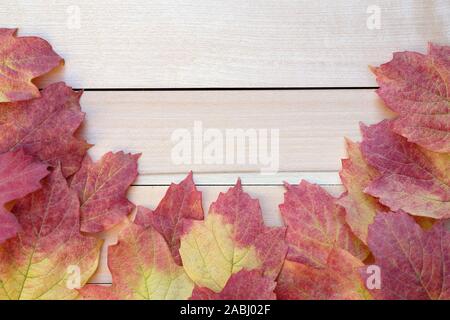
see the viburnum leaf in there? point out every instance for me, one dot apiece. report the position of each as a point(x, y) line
point(232, 237)
point(414, 264)
point(21, 60)
point(142, 268)
point(416, 86)
point(44, 127)
point(181, 204)
point(243, 285)
point(20, 175)
point(38, 263)
point(316, 225)
point(339, 279)
point(360, 207)
point(412, 178)
point(102, 188)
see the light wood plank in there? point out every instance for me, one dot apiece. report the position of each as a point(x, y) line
point(312, 125)
point(269, 196)
point(233, 43)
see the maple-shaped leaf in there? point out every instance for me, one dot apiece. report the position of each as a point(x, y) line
point(243, 285)
point(142, 268)
point(21, 60)
point(416, 86)
point(339, 279)
point(412, 178)
point(232, 237)
point(20, 175)
point(414, 264)
point(316, 225)
point(44, 127)
point(49, 253)
point(356, 175)
point(181, 204)
point(102, 188)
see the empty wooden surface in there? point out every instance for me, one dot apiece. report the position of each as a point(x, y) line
point(109, 44)
point(232, 43)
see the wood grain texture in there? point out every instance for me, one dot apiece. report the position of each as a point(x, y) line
point(269, 197)
point(312, 125)
point(234, 43)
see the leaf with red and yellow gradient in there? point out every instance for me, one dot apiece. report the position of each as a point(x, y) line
point(416, 86)
point(49, 253)
point(411, 178)
point(102, 189)
point(231, 238)
point(243, 285)
point(44, 127)
point(181, 204)
point(21, 60)
point(414, 264)
point(20, 175)
point(339, 279)
point(360, 207)
point(142, 268)
point(316, 225)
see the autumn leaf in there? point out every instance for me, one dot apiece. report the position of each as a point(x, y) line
point(411, 178)
point(338, 279)
point(20, 175)
point(102, 188)
point(38, 263)
point(360, 207)
point(21, 60)
point(416, 86)
point(243, 285)
point(316, 225)
point(44, 127)
point(181, 204)
point(414, 264)
point(232, 237)
point(142, 268)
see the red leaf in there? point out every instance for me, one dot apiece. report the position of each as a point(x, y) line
point(21, 60)
point(360, 207)
point(181, 204)
point(416, 86)
point(244, 285)
point(37, 263)
point(19, 175)
point(338, 280)
point(44, 127)
point(415, 264)
point(316, 225)
point(412, 179)
point(142, 268)
point(102, 188)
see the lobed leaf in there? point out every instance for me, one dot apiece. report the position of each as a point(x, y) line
point(21, 60)
point(102, 188)
point(414, 263)
point(49, 252)
point(181, 204)
point(416, 86)
point(232, 237)
point(339, 279)
point(356, 175)
point(316, 225)
point(142, 268)
point(411, 178)
point(44, 127)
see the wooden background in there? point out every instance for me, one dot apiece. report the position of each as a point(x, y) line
point(150, 67)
